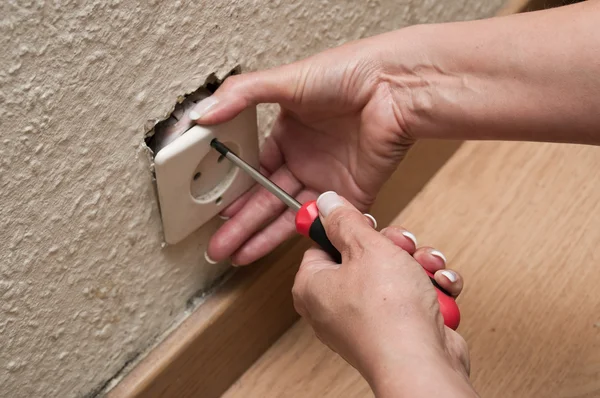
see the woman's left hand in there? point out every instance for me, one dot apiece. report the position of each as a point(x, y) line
point(379, 310)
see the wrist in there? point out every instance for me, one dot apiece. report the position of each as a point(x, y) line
point(430, 75)
point(416, 362)
point(422, 376)
point(497, 79)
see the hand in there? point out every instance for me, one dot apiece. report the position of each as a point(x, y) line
point(379, 310)
point(349, 114)
point(338, 129)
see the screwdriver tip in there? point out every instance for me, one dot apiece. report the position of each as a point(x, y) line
point(219, 146)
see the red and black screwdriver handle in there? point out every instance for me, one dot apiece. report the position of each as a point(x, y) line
point(309, 224)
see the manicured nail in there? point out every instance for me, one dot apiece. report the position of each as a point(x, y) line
point(328, 201)
point(410, 236)
point(202, 107)
point(223, 217)
point(439, 254)
point(451, 275)
point(373, 220)
point(208, 259)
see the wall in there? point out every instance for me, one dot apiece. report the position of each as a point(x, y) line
point(85, 284)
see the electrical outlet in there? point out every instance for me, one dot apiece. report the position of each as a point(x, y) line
point(194, 182)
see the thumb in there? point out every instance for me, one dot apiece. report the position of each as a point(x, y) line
point(346, 227)
point(238, 92)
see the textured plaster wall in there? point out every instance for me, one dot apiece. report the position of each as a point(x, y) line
point(84, 282)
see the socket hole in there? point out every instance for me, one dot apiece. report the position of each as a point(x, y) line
point(211, 178)
point(220, 159)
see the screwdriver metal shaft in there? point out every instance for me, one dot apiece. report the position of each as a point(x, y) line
point(256, 175)
point(309, 224)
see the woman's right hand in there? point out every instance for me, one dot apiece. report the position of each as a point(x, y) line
point(378, 309)
point(339, 129)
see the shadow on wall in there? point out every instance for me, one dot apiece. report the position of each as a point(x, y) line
point(535, 5)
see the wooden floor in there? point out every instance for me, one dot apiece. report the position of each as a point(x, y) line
point(521, 222)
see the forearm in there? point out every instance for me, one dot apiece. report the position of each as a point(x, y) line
point(531, 77)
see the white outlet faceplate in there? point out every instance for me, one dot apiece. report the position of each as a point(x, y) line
point(194, 182)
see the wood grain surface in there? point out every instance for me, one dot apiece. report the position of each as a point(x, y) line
point(521, 222)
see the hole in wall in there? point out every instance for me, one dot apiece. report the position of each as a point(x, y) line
point(161, 133)
point(178, 122)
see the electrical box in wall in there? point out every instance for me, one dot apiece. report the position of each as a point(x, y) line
point(194, 182)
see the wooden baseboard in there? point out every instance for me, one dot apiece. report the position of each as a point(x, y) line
point(226, 334)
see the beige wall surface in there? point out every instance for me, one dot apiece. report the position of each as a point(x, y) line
point(85, 284)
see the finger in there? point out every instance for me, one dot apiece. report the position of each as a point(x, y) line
point(371, 219)
point(277, 85)
point(316, 255)
point(434, 261)
point(271, 157)
point(260, 208)
point(237, 204)
point(240, 202)
point(347, 228)
point(430, 259)
point(272, 235)
point(450, 281)
point(401, 238)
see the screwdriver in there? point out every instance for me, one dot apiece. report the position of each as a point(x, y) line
point(309, 224)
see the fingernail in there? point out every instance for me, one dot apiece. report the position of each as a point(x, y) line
point(439, 254)
point(410, 236)
point(208, 259)
point(223, 217)
point(373, 220)
point(451, 275)
point(202, 107)
point(234, 264)
point(327, 202)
